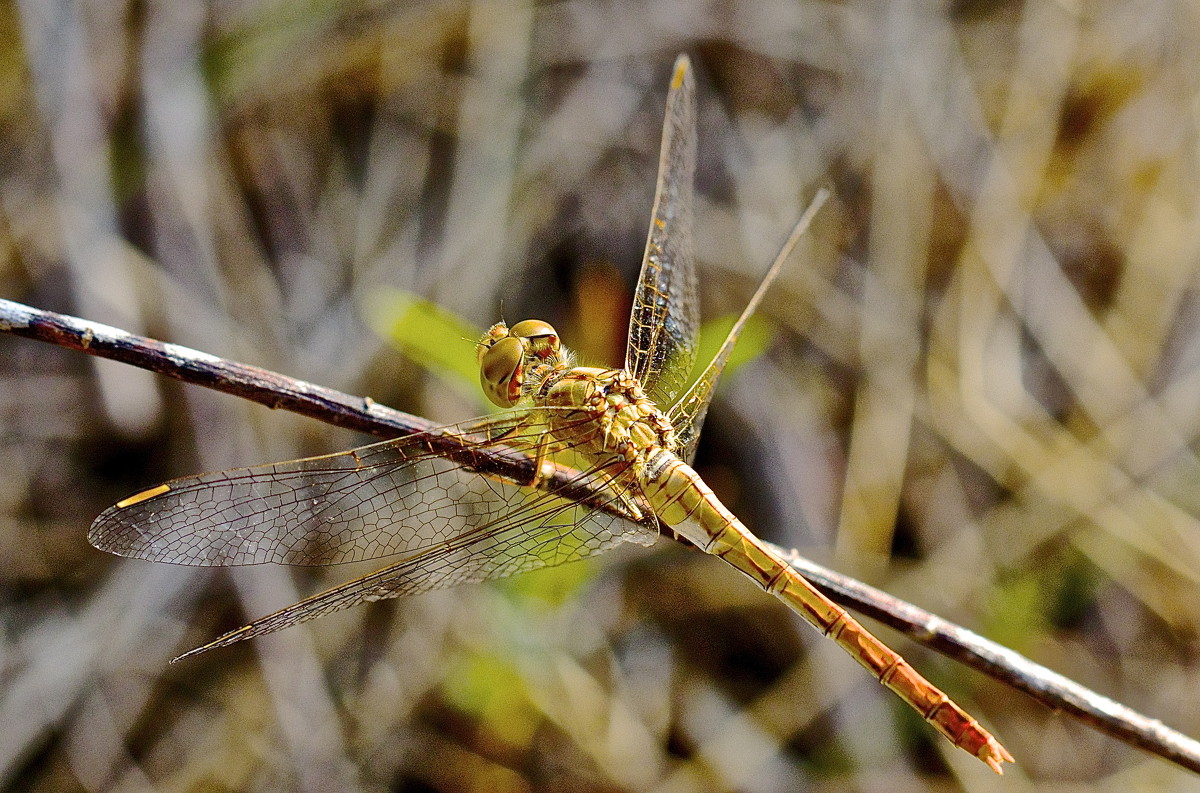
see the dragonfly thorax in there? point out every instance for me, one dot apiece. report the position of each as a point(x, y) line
point(631, 426)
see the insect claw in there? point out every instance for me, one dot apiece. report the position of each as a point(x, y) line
point(543, 470)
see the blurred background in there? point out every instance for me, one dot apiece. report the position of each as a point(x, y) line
point(976, 385)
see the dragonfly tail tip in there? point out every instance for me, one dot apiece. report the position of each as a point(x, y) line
point(994, 754)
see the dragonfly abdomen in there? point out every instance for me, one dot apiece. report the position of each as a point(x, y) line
point(684, 502)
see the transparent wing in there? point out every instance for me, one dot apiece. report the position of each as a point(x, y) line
point(534, 531)
point(687, 415)
point(664, 322)
point(417, 495)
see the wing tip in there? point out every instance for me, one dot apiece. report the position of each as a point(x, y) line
point(683, 65)
point(244, 632)
point(99, 532)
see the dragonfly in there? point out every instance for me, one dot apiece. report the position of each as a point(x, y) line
point(439, 504)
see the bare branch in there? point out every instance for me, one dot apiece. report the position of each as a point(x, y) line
point(362, 414)
point(1011, 668)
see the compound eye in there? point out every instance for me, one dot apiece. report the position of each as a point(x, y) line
point(500, 371)
point(532, 328)
point(542, 337)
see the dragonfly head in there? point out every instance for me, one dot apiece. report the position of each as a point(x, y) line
point(506, 354)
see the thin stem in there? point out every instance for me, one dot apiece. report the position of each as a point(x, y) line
point(362, 414)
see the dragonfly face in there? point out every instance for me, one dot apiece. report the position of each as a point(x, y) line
point(507, 357)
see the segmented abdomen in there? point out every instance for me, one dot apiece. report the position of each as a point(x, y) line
point(684, 502)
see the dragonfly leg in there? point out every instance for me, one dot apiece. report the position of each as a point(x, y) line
point(543, 466)
point(613, 489)
point(627, 501)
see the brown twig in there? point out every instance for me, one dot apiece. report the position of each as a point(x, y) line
point(362, 414)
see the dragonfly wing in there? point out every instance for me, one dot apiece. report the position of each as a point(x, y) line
point(404, 496)
point(687, 415)
point(664, 322)
point(527, 532)
point(688, 420)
